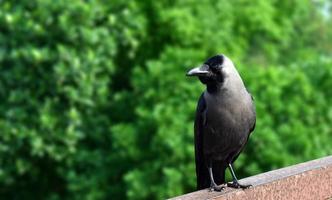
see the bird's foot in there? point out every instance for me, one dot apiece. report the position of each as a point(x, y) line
point(215, 187)
point(236, 184)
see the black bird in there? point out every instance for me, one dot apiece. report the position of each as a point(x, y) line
point(225, 117)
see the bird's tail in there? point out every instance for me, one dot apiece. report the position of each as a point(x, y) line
point(219, 169)
point(203, 177)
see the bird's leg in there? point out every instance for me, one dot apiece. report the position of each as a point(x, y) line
point(235, 183)
point(213, 185)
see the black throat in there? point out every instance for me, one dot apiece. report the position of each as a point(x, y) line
point(213, 87)
point(214, 84)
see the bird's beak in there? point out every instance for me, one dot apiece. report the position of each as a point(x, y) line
point(199, 71)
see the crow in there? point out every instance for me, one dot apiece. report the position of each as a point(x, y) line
point(225, 117)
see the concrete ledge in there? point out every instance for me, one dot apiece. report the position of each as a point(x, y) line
point(309, 180)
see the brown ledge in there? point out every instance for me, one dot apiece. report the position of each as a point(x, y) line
point(309, 180)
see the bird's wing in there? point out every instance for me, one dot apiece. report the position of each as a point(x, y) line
point(201, 128)
point(202, 174)
point(253, 120)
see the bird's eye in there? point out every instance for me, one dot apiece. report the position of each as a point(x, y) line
point(215, 69)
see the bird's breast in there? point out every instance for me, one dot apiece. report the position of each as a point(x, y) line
point(228, 112)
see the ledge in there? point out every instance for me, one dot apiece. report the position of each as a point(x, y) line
point(309, 180)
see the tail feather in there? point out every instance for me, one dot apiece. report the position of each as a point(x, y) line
point(203, 177)
point(202, 174)
point(219, 169)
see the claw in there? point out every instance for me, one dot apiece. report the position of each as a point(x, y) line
point(217, 188)
point(238, 185)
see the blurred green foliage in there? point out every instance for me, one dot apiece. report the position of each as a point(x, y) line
point(94, 103)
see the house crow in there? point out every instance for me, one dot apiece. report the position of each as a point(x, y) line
point(225, 117)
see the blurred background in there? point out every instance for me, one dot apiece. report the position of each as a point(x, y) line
point(94, 102)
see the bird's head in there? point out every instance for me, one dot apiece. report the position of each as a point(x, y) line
point(213, 71)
